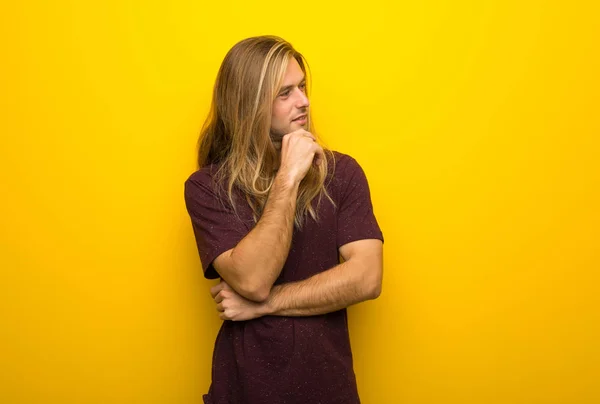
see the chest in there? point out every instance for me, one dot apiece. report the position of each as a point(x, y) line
point(314, 246)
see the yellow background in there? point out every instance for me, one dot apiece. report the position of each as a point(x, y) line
point(476, 122)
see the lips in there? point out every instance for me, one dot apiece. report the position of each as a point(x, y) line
point(299, 117)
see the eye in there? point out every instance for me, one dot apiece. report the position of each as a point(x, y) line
point(284, 93)
point(302, 86)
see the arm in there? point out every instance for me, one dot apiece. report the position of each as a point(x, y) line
point(254, 264)
point(246, 267)
point(357, 279)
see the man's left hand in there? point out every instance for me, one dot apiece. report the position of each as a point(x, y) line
point(232, 306)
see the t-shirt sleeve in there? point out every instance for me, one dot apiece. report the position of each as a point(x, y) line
point(217, 228)
point(356, 220)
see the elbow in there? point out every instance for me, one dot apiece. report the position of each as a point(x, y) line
point(255, 292)
point(374, 291)
point(258, 296)
point(248, 285)
point(373, 284)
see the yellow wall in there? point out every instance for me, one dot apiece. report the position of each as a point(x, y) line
point(477, 123)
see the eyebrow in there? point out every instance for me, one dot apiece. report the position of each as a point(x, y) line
point(283, 89)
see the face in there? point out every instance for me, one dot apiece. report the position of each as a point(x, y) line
point(290, 108)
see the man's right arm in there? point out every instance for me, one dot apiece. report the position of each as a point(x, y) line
point(254, 264)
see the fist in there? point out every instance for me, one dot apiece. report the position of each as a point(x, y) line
point(299, 150)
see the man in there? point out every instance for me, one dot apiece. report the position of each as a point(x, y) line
point(273, 215)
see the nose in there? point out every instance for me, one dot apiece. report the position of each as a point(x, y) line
point(302, 100)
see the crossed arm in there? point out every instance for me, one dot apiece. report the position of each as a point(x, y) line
point(356, 280)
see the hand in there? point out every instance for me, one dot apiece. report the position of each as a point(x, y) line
point(299, 150)
point(232, 306)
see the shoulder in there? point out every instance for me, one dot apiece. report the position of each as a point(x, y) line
point(341, 158)
point(344, 175)
point(342, 166)
point(203, 177)
point(202, 183)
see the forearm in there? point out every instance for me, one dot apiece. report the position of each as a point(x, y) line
point(260, 256)
point(328, 291)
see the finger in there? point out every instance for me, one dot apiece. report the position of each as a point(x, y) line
point(219, 297)
point(220, 307)
point(319, 154)
point(224, 316)
point(226, 286)
point(299, 133)
point(310, 136)
point(216, 289)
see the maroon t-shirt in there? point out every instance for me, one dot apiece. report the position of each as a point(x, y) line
point(285, 360)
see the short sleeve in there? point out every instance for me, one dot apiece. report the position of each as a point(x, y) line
point(356, 220)
point(217, 228)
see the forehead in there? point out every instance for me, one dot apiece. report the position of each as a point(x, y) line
point(293, 73)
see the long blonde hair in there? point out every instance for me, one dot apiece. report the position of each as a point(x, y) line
point(236, 134)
